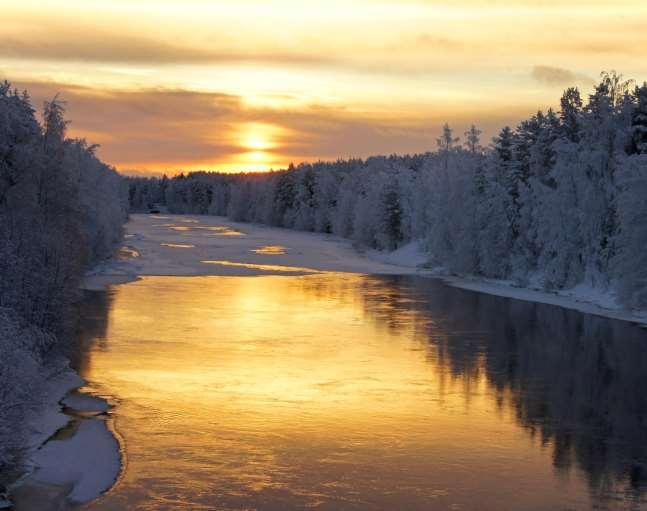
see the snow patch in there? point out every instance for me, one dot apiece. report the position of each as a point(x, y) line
point(85, 403)
point(75, 467)
point(89, 461)
point(407, 256)
point(246, 255)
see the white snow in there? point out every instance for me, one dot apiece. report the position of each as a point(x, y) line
point(155, 239)
point(88, 462)
point(48, 418)
point(407, 256)
point(85, 402)
point(77, 468)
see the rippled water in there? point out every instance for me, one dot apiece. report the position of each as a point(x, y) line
point(339, 392)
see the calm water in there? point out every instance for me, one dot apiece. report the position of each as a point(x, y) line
point(348, 392)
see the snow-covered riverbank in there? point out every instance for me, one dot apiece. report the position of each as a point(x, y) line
point(209, 245)
point(73, 455)
point(581, 298)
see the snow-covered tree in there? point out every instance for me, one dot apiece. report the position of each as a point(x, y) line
point(61, 209)
point(631, 262)
point(473, 140)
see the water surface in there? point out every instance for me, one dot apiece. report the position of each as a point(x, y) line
point(349, 392)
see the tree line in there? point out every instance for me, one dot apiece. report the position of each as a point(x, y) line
point(61, 210)
point(557, 202)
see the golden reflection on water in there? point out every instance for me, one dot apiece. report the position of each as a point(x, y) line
point(270, 250)
point(320, 391)
point(218, 229)
point(177, 245)
point(265, 267)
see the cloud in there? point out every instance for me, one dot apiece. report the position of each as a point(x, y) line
point(97, 45)
point(558, 76)
point(438, 42)
point(171, 129)
point(103, 47)
point(147, 125)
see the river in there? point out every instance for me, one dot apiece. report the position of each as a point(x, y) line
point(340, 391)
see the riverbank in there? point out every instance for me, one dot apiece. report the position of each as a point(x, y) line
point(582, 298)
point(73, 455)
point(158, 245)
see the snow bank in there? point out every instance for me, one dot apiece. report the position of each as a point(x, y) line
point(582, 298)
point(50, 417)
point(407, 256)
point(88, 463)
point(74, 455)
point(155, 240)
point(85, 403)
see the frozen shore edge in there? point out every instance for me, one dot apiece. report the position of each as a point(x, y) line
point(73, 454)
point(589, 301)
point(567, 299)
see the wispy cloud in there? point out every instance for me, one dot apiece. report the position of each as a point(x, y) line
point(92, 45)
point(559, 76)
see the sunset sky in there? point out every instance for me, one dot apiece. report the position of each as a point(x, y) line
point(247, 85)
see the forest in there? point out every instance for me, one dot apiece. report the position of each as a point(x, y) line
point(61, 211)
point(558, 202)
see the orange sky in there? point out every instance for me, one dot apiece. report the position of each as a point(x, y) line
point(165, 85)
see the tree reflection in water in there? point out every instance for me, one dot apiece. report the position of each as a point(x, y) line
point(576, 380)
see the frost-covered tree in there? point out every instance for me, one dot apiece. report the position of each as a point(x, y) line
point(631, 260)
point(570, 113)
point(447, 141)
point(61, 210)
point(639, 122)
point(473, 140)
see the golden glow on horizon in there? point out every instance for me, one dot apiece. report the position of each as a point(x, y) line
point(257, 85)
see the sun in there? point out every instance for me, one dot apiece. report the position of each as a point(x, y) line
point(258, 137)
point(257, 142)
